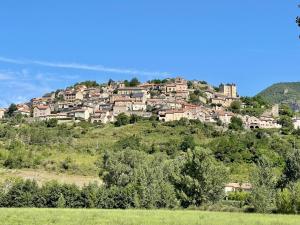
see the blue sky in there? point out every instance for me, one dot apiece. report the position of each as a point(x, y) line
point(49, 44)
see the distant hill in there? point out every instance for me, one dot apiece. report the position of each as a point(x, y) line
point(288, 93)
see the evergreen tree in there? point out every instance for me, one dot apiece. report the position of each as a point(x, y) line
point(61, 202)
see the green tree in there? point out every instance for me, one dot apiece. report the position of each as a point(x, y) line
point(145, 176)
point(110, 82)
point(288, 199)
point(51, 191)
point(285, 110)
point(263, 187)
point(61, 202)
point(194, 98)
point(291, 172)
point(51, 122)
point(188, 143)
point(88, 83)
point(11, 109)
point(236, 123)
point(201, 179)
point(122, 119)
point(134, 118)
point(134, 82)
point(22, 194)
point(89, 196)
point(235, 106)
point(287, 124)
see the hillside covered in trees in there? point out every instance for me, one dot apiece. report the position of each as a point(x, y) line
point(287, 93)
point(144, 163)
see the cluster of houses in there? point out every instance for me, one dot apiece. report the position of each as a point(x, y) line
point(168, 101)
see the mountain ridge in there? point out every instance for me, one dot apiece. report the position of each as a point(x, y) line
point(283, 93)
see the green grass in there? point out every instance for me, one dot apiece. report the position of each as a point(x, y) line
point(138, 217)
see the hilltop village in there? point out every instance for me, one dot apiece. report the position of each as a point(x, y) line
point(167, 100)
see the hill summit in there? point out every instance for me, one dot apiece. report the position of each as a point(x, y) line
point(283, 93)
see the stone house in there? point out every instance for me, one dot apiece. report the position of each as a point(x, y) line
point(209, 94)
point(138, 106)
point(80, 88)
point(40, 101)
point(152, 86)
point(131, 90)
point(268, 123)
point(61, 117)
point(80, 114)
point(2, 112)
point(224, 116)
point(41, 111)
point(102, 116)
point(117, 109)
point(67, 106)
point(296, 122)
point(23, 109)
point(182, 95)
point(179, 85)
point(73, 95)
point(121, 106)
point(252, 122)
point(233, 187)
point(170, 88)
point(105, 106)
point(222, 100)
point(171, 115)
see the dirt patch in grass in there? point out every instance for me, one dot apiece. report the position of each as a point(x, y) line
point(42, 177)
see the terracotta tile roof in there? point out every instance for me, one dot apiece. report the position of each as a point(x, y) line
point(42, 107)
point(224, 113)
point(130, 88)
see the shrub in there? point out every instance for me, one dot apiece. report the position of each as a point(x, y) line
point(122, 119)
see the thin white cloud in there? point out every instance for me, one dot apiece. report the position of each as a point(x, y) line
point(98, 68)
point(4, 76)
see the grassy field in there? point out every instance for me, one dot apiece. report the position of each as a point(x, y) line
point(138, 217)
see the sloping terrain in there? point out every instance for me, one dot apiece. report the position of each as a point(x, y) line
point(288, 93)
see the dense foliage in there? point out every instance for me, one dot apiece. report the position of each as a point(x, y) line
point(288, 93)
point(147, 164)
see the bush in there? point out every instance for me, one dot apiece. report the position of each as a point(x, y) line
point(188, 143)
point(288, 199)
point(121, 120)
point(236, 123)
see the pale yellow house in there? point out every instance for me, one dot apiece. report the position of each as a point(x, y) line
point(73, 95)
point(223, 101)
point(171, 115)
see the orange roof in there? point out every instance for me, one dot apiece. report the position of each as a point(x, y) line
point(42, 107)
point(223, 113)
point(172, 111)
